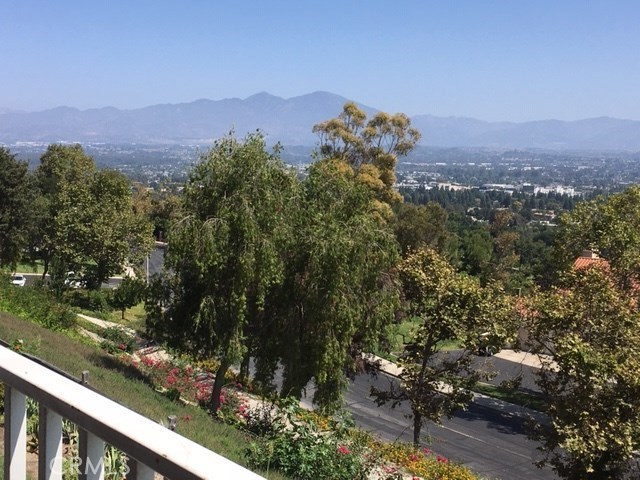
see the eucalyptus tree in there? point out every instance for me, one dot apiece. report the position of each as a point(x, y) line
point(225, 253)
point(371, 148)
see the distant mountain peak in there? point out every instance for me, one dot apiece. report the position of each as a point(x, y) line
point(290, 121)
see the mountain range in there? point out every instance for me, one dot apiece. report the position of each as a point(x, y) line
point(289, 121)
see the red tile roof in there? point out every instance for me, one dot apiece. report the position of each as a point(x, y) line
point(584, 262)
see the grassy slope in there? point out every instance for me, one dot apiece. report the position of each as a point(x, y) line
point(125, 386)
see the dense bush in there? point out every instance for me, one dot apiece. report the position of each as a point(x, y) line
point(299, 448)
point(93, 300)
point(36, 304)
point(117, 340)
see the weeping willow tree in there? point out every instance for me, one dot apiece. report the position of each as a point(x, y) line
point(338, 293)
point(225, 254)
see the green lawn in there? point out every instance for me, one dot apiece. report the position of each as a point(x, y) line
point(126, 386)
point(36, 267)
point(516, 397)
point(134, 317)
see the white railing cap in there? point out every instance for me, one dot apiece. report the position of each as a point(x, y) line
point(164, 451)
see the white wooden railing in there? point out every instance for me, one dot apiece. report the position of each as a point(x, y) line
point(149, 446)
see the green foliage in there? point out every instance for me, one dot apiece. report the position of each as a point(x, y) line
point(129, 293)
point(300, 449)
point(422, 226)
point(370, 148)
point(338, 294)
point(450, 306)
point(590, 326)
point(36, 304)
point(86, 216)
point(16, 200)
point(611, 227)
point(226, 253)
point(92, 300)
point(117, 340)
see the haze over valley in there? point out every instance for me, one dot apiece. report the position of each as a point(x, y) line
point(289, 122)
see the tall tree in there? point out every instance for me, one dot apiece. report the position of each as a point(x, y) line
point(16, 198)
point(370, 148)
point(226, 252)
point(449, 306)
point(62, 168)
point(338, 294)
point(86, 216)
point(418, 226)
point(590, 327)
point(103, 227)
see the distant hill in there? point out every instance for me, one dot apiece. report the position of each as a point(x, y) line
point(289, 121)
point(602, 133)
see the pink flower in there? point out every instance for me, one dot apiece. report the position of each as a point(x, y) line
point(441, 459)
point(427, 451)
point(221, 399)
point(343, 450)
point(122, 346)
point(413, 457)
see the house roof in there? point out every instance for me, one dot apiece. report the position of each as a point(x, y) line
point(584, 262)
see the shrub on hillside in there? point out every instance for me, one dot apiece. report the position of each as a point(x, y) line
point(38, 305)
point(93, 300)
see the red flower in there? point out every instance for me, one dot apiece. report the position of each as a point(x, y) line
point(427, 451)
point(221, 399)
point(413, 457)
point(343, 450)
point(122, 346)
point(441, 459)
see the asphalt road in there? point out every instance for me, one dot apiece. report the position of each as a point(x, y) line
point(33, 277)
point(488, 439)
point(156, 264)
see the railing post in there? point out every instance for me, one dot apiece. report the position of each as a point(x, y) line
point(91, 451)
point(139, 471)
point(15, 434)
point(49, 445)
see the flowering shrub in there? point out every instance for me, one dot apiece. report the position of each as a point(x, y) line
point(424, 464)
point(233, 409)
point(178, 378)
point(302, 444)
point(116, 340)
point(300, 449)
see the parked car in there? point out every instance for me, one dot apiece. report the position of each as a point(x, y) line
point(72, 281)
point(18, 280)
point(487, 345)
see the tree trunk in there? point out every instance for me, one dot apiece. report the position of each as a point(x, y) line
point(244, 366)
point(417, 427)
point(217, 386)
point(45, 268)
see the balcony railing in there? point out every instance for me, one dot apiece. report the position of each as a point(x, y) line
point(149, 446)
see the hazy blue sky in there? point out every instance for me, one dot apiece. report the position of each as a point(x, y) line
point(493, 60)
